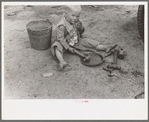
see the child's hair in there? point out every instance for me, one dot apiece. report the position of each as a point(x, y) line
point(70, 8)
point(74, 8)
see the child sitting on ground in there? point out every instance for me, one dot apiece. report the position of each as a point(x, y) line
point(68, 33)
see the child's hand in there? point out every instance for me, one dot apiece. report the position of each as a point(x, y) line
point(71, 49)
point(78, 25)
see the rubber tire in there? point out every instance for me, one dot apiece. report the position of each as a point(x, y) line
point(140, 19)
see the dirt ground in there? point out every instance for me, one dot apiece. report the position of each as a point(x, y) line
point(107, 24)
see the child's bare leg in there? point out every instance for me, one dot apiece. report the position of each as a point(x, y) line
point(102, 47)
point(60, 58)
point(106, 48)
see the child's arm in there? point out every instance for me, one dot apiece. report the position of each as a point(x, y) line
point(61, 38)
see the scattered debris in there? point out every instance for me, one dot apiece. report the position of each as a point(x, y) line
point(128, 11)
point(20, 30)
point(55, 6)
point(11, 14)
point(29, 6)
point(35, 95)
point(137, 73)
point(140, 96)
point(47, 74)
point(95, 6)
point(123, 71)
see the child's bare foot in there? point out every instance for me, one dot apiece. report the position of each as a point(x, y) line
point(62, 65)
point(111, 48)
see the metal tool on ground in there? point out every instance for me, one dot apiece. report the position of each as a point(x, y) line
point(114, 65)
point(110, 53)
point(95, 59)
point(109, 68)
point(120, 53)
point(86, 58)
point(115, 56)
point(112, 74)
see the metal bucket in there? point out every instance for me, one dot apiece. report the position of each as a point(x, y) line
point(40, 34)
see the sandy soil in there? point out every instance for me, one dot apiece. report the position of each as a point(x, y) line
point(106, 24)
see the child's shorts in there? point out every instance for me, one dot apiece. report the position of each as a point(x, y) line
point(59, 47)
point(85, 43)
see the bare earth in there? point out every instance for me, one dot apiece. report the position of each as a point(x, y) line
point(107, 24)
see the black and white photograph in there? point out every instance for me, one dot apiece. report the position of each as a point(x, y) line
point(74, 51)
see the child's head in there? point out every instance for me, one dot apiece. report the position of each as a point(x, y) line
point(73, 13)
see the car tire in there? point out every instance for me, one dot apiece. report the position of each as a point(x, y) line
point(140, 19)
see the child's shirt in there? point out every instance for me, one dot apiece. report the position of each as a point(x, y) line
point(67, 34)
